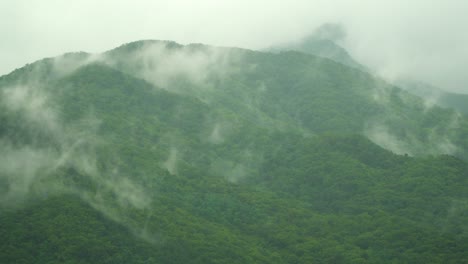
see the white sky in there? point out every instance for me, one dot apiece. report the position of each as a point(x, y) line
point(427, 40)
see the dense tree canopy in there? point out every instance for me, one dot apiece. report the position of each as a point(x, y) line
point(272, 160)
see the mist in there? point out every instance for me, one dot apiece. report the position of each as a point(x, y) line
point(171, 66)
point(46, 157)
point(397, 39)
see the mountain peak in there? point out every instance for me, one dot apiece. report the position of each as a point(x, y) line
point(323, 42)
point(136, 45)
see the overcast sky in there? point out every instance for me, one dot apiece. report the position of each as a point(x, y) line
point(422, 39)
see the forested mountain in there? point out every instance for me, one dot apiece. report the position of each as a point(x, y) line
point(323, 42)
point(155, 152)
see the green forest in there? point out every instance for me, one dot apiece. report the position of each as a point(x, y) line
point(155, 152)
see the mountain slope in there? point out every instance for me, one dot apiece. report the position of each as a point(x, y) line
point(291, 89)
point(435, 95)
point(156, 152)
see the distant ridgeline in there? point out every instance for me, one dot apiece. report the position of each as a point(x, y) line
point(155, 152)
point(323, 42)
point(434, 95)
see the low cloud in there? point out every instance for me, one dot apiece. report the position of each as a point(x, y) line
point(417, 39)
point(174, 67)
point(380, 135)
point(171, 162)
point(69, 62)
point(35, 159)
point(216, 135)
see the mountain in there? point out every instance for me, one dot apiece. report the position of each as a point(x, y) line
point(156, 152)
point(323, 42)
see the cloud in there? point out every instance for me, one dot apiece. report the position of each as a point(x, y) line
point(171, 163)
point(412, 40)
point(171, 66)
point(42, 149)
point(20, 168)
point(231, 171)
point(24, 159)
point(380, 135)
point(435, 140)
point(216, 136)
point(32, 104)
point(417, 39)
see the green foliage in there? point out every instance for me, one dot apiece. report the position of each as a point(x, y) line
point(269, 166)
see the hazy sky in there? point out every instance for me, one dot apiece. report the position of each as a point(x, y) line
point(423, 39)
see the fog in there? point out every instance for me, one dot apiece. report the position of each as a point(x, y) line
point(164, 65)
point(417, 39)
point(32, 165)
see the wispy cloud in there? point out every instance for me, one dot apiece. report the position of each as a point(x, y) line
point(416, 39)
point(46, 156)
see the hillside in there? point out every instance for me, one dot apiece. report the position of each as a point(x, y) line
point(155, 152)
point(434, 95)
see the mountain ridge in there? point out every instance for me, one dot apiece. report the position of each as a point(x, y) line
point(207, 155)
